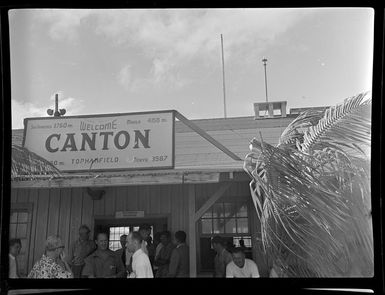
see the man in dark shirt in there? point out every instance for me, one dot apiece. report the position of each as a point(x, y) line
point(79, 250)
point(103, 263)
point(163, 259)
point(222, 258)
point(121, 253)
point(145, 232)
point(180, 260)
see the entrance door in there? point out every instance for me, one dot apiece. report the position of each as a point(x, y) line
point(117, 227)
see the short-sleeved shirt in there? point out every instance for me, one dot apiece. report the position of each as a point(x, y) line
point(221, 260)
point(249, 270)
point(47, 268)
point(141, 266)
point(103, 264)
point(12, 267)
point(80, 249)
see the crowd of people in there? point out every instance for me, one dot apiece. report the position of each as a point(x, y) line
point(140, 256)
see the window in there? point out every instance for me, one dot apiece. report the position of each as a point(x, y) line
point(225, 218)
point(117, 231)
point(246, 240)
point(18, 224)
point(19, 227)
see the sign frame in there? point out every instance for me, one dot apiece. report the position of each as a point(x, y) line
point(172, 166)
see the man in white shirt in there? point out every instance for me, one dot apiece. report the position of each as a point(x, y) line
point(241, 267)
point(14, 251)
point(141, 266)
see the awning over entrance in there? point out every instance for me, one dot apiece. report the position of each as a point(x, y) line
point(175, 176)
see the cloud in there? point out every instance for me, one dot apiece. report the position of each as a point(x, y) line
point(174, 39)
point(164, 72)
point(175, 42)
point(189, 33)
point(25, 110)
point(21, 110)
point(130, 82)
point(124, 76)
point(62, 24)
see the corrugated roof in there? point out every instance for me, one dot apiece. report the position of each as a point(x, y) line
point(194, 152)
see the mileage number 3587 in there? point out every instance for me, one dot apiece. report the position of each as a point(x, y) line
point(158, 158)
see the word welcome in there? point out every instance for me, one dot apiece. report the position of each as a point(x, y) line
point(119, 140)
point(107, 126)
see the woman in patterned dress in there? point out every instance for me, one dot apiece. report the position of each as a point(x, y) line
point(52, 264)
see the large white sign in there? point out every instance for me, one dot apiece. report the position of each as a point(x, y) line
point(103, 142)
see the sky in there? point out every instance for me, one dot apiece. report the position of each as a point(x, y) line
point(122, 61)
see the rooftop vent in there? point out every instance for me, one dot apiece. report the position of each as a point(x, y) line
point(272, 109)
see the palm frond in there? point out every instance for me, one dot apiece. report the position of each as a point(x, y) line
point(25, 163)
point(322, 216)
point(295, 130)
point(313, 197)
point(346, 126)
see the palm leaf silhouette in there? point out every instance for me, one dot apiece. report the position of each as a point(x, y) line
point(312, 192)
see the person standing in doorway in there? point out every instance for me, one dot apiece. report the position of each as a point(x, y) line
point(14, 251)
point(163, 260)
point(180, 260)
point(242, 244)
point(148, 246)
point(50, 264)
point(79, 250)
point(121, 253)
point(158, 246)
point(103, 263)
point(222, 258)
point(241, 267)
point(140, 263)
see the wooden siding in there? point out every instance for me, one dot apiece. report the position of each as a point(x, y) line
point(62, 211)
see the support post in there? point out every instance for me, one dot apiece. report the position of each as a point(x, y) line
point(206, 136)
point(192, 231)
point(211, 201)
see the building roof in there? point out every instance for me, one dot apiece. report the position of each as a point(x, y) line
point(193, 152)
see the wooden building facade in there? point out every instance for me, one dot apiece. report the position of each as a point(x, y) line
point(206, 194)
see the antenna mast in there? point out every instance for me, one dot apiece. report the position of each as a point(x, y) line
point(224, 87)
